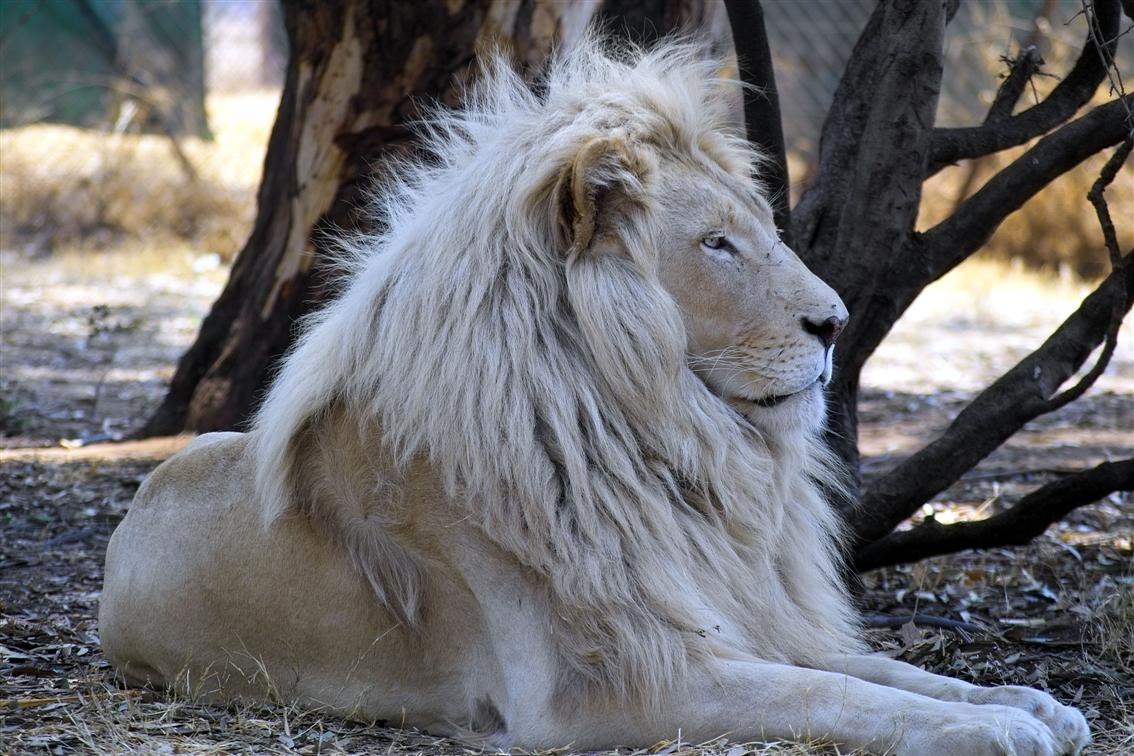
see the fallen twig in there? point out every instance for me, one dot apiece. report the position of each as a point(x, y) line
point(30, 703)
point(921, 620)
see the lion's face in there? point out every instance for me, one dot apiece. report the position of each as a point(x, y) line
point(760, 325)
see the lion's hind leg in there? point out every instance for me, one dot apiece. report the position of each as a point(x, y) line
point(139, 675)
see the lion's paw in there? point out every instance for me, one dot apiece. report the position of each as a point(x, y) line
point(986, 731)
point(1066, 723)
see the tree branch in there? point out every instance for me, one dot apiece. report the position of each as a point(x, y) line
point(952, 144)
point(1095, 195)
point(762, 121)
point(1015, 526)
point(875, 619)
point(1020, 72)
point(1020, 395)
point(954, 239)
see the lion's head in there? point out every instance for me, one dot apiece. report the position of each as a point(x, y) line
point(759, 326)
point(571, 302)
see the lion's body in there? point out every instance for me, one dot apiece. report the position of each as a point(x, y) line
point(548, 469)
point(221, 607)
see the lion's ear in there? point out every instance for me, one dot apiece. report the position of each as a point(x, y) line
point(604, 177)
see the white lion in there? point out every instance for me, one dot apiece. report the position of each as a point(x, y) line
point(547, 471)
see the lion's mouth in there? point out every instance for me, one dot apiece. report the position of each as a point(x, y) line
point(823, 379)
point(778, 399)
point(772, 401)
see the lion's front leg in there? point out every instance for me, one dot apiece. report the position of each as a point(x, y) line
point(746, 700)
point(1066, 723)
point(758, 701)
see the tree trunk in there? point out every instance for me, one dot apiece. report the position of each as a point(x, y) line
point(358, 72)
point(873, 145)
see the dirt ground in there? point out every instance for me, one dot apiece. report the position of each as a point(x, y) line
point(88, 341)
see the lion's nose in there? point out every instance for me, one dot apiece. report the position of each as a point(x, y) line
point(827, 331)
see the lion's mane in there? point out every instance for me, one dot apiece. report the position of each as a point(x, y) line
point(551, 391)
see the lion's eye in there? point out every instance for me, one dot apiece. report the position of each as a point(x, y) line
point(719, 243)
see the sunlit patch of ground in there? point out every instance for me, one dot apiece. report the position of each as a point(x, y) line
point(977, 322)
point(111, 249)
point(88, 341)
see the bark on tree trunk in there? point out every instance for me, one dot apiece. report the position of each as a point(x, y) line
point(359, 70)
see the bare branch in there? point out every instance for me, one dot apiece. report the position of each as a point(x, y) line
point(1110, 343)
point(954, 239)
point(952, 144)
point(930, 255)
point(1020, 73)
point(1016, 526)
point(1105, 179)
point(763, 125)
point(1020, 395)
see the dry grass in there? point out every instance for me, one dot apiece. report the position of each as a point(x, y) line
point(105, 719)
point(1113, 630)
point(66, 188)
point(1056, 231)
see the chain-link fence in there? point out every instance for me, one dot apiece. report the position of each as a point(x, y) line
point(148, 119)
point(245, 45)
point(812, 40)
